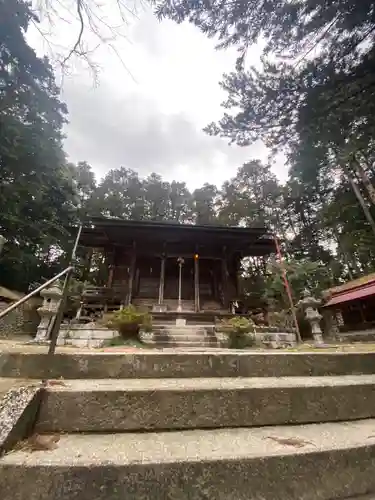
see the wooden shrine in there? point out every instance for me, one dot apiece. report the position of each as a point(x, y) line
point(169, 267)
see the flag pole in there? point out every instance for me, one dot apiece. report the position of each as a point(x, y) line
point(287, 288)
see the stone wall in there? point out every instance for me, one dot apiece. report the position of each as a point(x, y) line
point(21, 321)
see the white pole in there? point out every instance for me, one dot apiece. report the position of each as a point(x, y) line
point(179, 306)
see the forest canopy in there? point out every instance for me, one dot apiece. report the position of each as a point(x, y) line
point(313, 97)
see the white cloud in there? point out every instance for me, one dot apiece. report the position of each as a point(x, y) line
point(152, 120)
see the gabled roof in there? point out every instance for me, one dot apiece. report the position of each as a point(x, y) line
point(352, 290)
point(105, 232)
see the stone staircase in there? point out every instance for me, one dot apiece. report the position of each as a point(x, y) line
point(186, 305)
point(198, 426)
point(179, 335)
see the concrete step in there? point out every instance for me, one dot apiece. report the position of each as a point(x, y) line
point(182, 364)
point(187, 327)
point(154, 404)
point(172, 323)
point(309, 462)
point(177, 343)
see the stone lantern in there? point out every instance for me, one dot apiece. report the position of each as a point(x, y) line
point(309, 305)
point(47, 312)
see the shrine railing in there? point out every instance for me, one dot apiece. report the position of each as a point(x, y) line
point(55, 325)
point(27, 297)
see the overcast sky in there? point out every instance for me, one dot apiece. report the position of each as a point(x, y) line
point(155, 92)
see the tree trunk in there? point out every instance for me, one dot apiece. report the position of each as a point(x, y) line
point(365, 179)
point(361, 201)
point(343, 254)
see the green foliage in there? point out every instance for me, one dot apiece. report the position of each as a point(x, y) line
point(321, 110)
point(35, 192)
point(301, 274)
point(283, 320)
point(240, 331)
point(128, 321)
point(312, 95)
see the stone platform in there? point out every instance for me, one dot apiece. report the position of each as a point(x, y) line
point(174, 332)
point(197, 426)
point(184, 364)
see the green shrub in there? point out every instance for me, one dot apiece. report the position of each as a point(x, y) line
point(128, 321)
point(240, 331)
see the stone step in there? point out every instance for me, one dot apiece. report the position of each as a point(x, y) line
point(167, 324)
point(155, 404)
point(309, 462)
point(182, 364)
point(181, 344)
point(177, 343)
point(182, 330)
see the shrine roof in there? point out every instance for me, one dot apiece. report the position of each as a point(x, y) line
point(105, 232)
point(352, 290)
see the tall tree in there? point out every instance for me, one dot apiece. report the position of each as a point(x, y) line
point(36, 195)
point(204, 202)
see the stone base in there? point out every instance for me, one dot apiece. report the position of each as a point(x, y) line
point(89, 335)
point(268, 339)
point(357, 336)
point(159, 308)
point(275, 340)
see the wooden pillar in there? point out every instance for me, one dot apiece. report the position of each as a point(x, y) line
point(224, 279)
point(216, 294)
point(111, 269)
point(237, 275)
point(131, 274)
point(361, 312)
point(196, 283)
point(162, 279)
point(87, 264)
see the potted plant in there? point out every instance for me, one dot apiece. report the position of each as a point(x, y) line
point(239, 330)
point(128, 321)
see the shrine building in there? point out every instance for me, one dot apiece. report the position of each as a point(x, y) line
point(352, 308)
point(169, 267)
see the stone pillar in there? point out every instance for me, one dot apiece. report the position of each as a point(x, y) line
point(331, 329)
point(48, 310)
point(196, 283)
point(309, 305)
